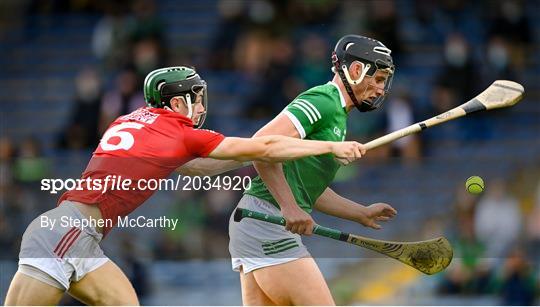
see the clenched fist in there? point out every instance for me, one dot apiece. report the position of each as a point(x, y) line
point(297, 220)
point(347, 152)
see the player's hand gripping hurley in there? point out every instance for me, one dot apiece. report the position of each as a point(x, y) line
point(500, 94)
point(429, 257)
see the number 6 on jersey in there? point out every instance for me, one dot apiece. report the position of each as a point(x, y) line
point(126, 138)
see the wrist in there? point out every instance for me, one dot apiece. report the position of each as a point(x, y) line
point(360, 213)
point(331, 147)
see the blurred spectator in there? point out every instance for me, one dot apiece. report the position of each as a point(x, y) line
point(253, 53)
point(533, 229)
point(124, 98)
point(9, 242)
point(145, 24)
point(442, 99)
point(312, 66)
point(187, 239)
point(353, 17)
point(367, 127)
point(7, 154)
point(135, 269)
point(47, 6)
point(82, 130)
point(457, 82)
point(110, 40)
point(271, 78)
point(510, 22)
point(497, 216)
point(424, 23)
point(218, 205)
point(459, 74)
point(452, 9)
point(517, 285)
point(167, 248)
point(471, 249)
point(309, 13)
point(455, 280)
point(399, 115)
point(469, 252)
point(30, 165)
point(7, 191)
point(262, 12)
point(383, 22)
point(232, 23)
point(498, 61)
point(147, 56)
point(14, 211)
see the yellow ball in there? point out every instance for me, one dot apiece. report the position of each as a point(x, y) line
point(475, 185)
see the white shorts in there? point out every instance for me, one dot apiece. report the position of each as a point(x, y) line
point(256, 244)
point(64, 253)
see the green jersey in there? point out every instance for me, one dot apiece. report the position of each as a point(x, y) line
point(318, 114)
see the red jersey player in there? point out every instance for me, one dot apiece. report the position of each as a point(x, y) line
point(149, 143)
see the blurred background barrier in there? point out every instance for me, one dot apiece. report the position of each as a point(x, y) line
point(68, 68)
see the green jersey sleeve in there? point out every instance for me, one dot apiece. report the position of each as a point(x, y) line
point(309, 111)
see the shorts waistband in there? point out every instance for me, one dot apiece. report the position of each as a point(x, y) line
point(261, 203)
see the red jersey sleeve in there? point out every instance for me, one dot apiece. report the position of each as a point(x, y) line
point(201, 142)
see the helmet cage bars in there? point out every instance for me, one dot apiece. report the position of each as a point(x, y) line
point(188, 89)
point(161, 85)
point(372, 55)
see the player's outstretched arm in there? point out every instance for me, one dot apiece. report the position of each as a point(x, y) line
point(277, 148)
point(209, 167)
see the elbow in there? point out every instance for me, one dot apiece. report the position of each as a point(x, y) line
point(262, 149)
point(193, 168)
point(270, 151)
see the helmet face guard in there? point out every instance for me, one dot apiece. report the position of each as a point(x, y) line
point(373, 56)
point(163, 84)
point(201, 90)
point(188, 89)
point(377, 102)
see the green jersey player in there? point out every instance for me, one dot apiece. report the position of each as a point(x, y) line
point(317, 114)
point(274, 265)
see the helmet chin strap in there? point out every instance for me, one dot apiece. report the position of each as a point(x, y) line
point(189, 106)
point(346, 79)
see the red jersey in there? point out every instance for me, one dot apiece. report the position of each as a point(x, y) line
point(149, 143)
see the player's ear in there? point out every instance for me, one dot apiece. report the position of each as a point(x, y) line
point(176, 104)
point(355, 70)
